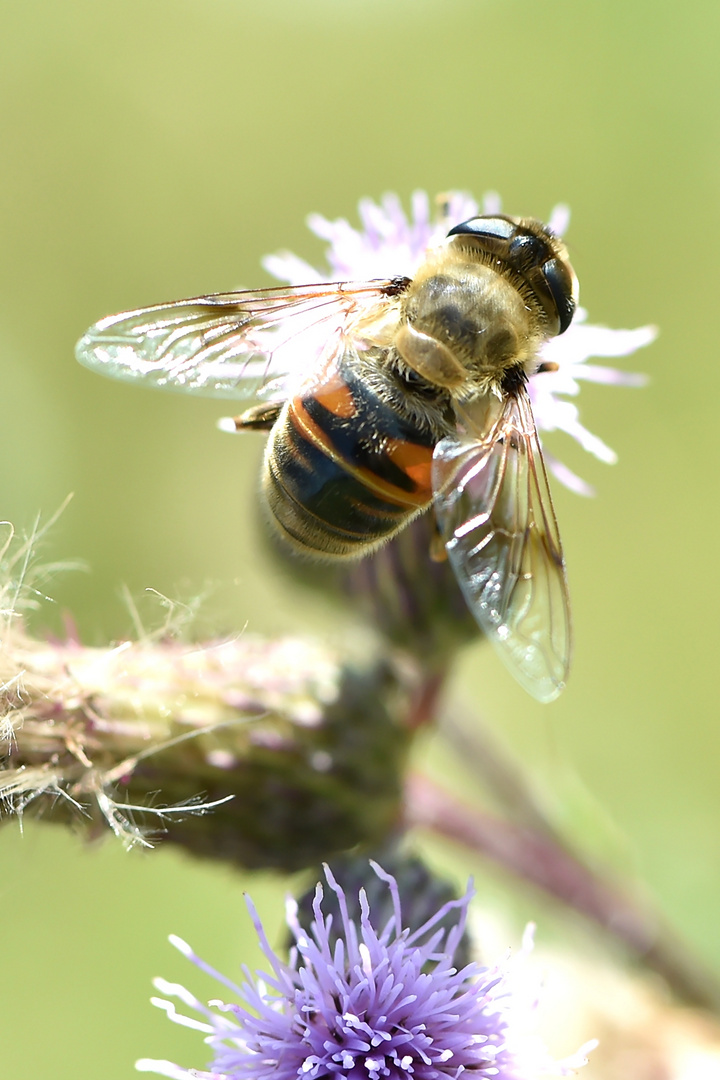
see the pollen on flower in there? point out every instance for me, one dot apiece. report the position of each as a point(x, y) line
point(392, 243)
point(381, 1003)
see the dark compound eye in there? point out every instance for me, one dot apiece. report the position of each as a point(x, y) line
point(560, 285)
point(527, 251)
point(498, 228)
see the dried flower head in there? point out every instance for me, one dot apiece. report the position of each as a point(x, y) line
point(389, 243)
point(381, 1003)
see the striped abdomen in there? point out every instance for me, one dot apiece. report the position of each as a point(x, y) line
point(344, 471)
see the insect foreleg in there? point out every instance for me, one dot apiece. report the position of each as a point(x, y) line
point(259, 418)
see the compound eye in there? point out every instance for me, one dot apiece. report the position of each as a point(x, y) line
point(561, 284)
point(496, 228)
point(527, 251)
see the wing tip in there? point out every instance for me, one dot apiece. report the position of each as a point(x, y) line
point(546, 696)
point(84, 350)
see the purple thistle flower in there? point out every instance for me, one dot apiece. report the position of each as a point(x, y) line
point(378, 1004)
point(389, 243)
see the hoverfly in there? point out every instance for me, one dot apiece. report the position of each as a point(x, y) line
point(386, 398)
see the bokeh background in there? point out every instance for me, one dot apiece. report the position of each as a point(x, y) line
point(157, 150)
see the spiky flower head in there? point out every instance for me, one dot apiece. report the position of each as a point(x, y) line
point(380, 1004)
point(390, 243)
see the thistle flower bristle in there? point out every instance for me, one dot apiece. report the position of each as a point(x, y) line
point(410, 887)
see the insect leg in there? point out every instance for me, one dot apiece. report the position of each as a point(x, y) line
point(259, 418)
point(438, 551)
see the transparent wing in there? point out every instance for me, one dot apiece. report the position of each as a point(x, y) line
point(231, 345)
point(496, 518)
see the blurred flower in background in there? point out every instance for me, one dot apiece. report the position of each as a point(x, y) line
point(642, 1032)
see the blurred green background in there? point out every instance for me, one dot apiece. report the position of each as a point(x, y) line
point(152, 151)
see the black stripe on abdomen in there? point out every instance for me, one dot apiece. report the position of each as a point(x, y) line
point(334, 476)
